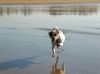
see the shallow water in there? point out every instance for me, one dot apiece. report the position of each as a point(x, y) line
point(25, 46)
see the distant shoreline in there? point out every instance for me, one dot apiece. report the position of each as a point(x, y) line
point(49, 3)
point(46, 1)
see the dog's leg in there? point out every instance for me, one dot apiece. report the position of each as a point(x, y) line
point(53, 49)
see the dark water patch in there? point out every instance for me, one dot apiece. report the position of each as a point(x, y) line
point(45, 29)
point(71, 31)
point(97, 28)
point(20, 63)
point(80, 32)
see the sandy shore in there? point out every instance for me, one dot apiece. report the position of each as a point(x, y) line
point(45, 1)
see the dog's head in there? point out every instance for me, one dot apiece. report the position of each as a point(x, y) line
point(54, 34)
point(55, 37)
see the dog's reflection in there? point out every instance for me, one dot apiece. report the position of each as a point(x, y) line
point(56, 69)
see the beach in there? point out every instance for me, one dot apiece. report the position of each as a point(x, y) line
point(25, 47)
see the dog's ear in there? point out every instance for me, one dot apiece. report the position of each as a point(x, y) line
point(50, 34)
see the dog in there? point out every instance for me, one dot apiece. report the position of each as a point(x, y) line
point(57, 38)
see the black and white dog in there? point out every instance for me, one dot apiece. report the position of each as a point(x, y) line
point(57, 38)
